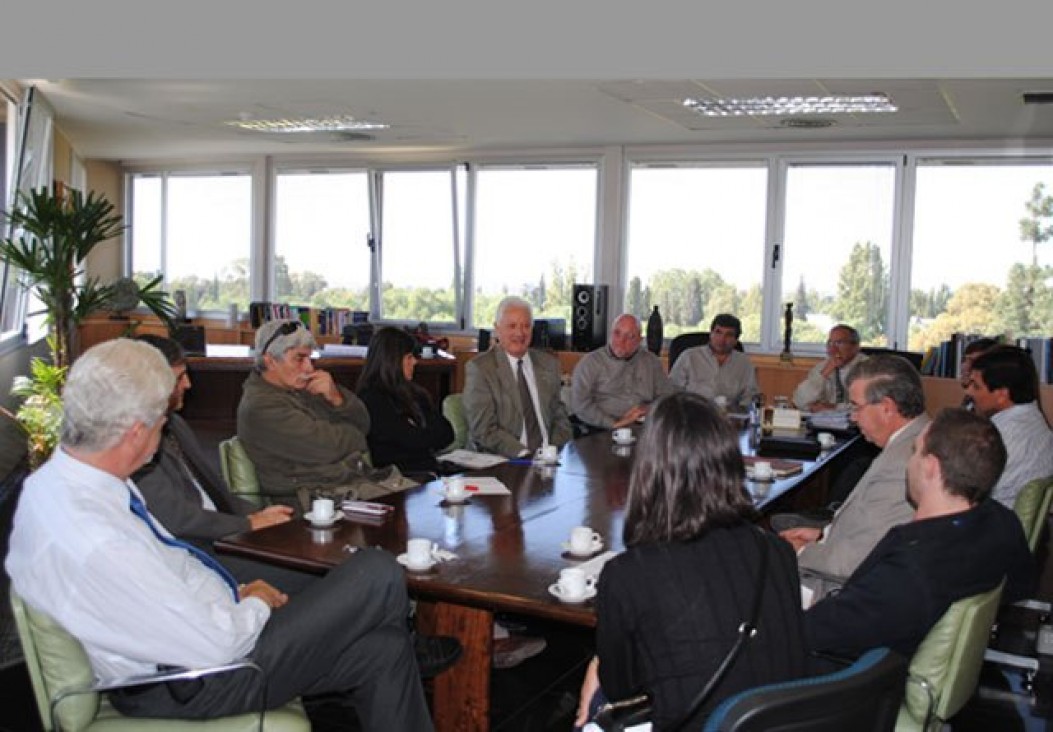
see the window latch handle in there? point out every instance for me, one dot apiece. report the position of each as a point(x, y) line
point(775, 255)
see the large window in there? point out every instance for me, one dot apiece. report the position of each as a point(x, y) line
point(696, 245)
point(196, 228)
point(535, 236)
point(982, 253)
point(837, 244)
point(321, 239)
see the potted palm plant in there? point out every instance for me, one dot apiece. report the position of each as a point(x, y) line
point(54, 231)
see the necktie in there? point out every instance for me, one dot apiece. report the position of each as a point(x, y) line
point(139, 509)
point(839, 388)
point(533, 430)
point(221, 502)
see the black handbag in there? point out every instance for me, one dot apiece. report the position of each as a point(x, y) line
point(617, 716)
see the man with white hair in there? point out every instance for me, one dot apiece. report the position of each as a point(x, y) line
point(512, 392)
point(615, 384)
point(86, 551)
point(298, 426)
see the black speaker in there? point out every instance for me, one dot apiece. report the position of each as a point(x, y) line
point(589, 317)
point(484, 340)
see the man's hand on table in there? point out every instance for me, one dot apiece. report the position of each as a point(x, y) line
point(630, 417)
point(270, 516)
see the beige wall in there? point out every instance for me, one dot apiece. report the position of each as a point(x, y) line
point(106, 179)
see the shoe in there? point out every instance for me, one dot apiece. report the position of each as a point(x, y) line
point(435, 653)
point(509, 652)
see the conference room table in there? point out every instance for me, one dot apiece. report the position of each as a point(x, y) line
point(507, 549)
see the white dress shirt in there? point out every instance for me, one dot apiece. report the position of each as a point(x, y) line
point(80, 555)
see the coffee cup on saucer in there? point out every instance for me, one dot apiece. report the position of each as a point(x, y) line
point(622, 435)
point(427, 352)
point(574, 584)
point(546, 454)
point(456, 489)
point(762, 471)
point(419, 553)
point(826, 440)
point(323, 509)
point(583, 540)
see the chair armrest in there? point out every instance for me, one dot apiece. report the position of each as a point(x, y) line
point(176, 674)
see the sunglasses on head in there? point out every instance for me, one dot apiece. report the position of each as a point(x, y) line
point(283, 330)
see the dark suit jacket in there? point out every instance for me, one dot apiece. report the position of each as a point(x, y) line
point(491, 402)
point(174, 500)
point(916, 572)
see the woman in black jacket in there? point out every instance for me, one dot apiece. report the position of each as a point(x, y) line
point(405, 428)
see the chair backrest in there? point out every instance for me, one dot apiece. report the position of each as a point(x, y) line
point(1032, 506)
point(56, 662)
point(238, 471)
point(684, 341)
point(453, 410)
point(863, 696)
point(945, 668)
point(914, 357)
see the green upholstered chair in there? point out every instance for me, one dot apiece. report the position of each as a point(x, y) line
point(69, 700)
point(1032, 507)
point(945, 669)
point(239, 472)
point(453, 410)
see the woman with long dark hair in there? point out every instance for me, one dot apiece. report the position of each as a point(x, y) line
point(405, 428)
point(670, 606)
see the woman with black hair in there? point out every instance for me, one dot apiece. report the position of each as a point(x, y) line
point(405, 429)
point(669, 607)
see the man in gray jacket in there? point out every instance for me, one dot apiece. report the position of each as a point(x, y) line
point(498, 383)
point(299, 427)
point(888, 405)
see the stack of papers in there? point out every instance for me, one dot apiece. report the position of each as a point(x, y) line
point(836, 419)
point(480, 486)
point(339, 349)
point(472, 460)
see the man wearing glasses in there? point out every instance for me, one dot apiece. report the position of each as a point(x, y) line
point(299, 427)
point(826, 386)
point(888, 406)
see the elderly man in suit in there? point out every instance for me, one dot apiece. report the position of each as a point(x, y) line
point(512, 392)
point(888, 405)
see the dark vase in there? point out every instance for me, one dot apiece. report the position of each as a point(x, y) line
point(654, 332)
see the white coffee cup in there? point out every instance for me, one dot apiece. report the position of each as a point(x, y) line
point(826, 440)
point(456, 488)
point(427, 352)
point(322, 509)
point(547, 454)
point(574, 584)
point(762, 471)
point(622, 434)
point(583, 540)
point(418, 553)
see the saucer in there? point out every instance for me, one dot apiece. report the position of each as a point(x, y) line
point(403, 559)
point(455, 501)
point(596, 547)
point(554, 590)
point(631, 440)
point(323, 524)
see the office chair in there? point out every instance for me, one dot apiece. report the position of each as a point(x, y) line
point(453, 411)
point(945, 668)
point(864, 696)
point(68, 698)
point(239, 472)
point(684, 341)
point(1032, 507)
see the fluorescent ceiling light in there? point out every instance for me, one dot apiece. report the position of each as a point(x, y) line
point(340, 123)
point(779, 106)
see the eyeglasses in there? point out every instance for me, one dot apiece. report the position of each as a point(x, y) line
point(283, 330)
point(854, 408)
point(839, 343)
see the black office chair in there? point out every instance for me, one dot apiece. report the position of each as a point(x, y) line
point(913, 356)
point(685, 341)
point(864, 696)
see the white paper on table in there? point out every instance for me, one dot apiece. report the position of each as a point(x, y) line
point(474, 460)
point(481, 486)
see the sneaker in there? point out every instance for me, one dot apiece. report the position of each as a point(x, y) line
point(509, 652)
point(435, 653)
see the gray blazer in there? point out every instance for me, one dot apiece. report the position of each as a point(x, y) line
point(876, 504)
point(173, 499)
point(491, 402)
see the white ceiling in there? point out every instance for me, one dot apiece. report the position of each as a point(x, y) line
point(152, 119)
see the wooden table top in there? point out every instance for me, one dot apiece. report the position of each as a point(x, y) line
point(508, 548)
